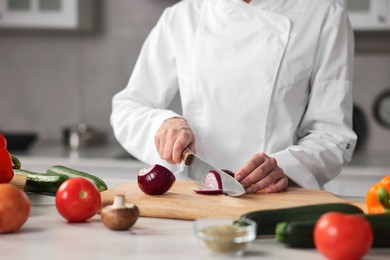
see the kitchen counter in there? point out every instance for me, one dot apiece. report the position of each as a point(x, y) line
point(46, 235)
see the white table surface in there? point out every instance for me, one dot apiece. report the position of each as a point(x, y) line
point(46, 235)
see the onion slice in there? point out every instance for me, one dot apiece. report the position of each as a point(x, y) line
point(208, 191)
point(155, 180)
point(212, 185)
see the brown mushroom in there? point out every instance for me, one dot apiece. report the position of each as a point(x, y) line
point(119, 215)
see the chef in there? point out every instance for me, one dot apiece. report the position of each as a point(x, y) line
point(265, 88)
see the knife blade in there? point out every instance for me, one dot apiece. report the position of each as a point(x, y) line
point(198, 169)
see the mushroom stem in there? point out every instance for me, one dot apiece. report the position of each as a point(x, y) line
point(119, 201)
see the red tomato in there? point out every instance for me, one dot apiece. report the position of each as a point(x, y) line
point(78, 199)
point(341, 236)
point(3, 141)
point(14, 208)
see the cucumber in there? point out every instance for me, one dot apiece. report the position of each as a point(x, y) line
point(268, 219)
point(300, 233)
point(47, 183)
point(59, 169)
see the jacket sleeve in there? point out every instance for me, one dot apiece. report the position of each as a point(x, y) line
point(140, 108)
point(326, 140)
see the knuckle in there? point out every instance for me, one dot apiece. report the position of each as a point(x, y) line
point(260, 155)
point(269, 179)
point(273, 161)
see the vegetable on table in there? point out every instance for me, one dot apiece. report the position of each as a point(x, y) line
point(6, 165)
point(268, 219)
point(155, 179)
point(378, 196)
point(70, 173)
point(46, 183)
point(78, 199)
point(14, 208)
point(299, 233)
point(120, 215)
point(342, 236)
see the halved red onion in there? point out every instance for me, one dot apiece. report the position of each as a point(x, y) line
point(155, 180)
point(213, 181)
point(212, 185)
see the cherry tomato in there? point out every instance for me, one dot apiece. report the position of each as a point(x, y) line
point(341, 236)
point(14, 208)
point(78, 199)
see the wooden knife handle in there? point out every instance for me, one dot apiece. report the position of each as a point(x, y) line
point(187, 156)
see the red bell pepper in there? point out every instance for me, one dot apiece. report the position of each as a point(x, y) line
point(6, 164)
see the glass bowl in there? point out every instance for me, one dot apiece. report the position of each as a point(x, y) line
point(222, 236)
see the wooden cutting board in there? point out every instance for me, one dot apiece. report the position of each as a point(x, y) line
point(181, 202)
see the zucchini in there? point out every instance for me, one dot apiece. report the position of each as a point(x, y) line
point(268, 219)
point(300, 233)
point(47, 183)
point(59, 169)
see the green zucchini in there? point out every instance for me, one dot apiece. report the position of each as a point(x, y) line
point(47, 183)
point(59, 169)
point(300, 233)
point(268, 219)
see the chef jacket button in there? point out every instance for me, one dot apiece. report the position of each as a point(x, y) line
point(348, 146)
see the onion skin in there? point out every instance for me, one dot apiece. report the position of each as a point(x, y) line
point(155, 180)
point(206, 191)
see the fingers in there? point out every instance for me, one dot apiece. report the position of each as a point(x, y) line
point(262, 172)
point(280, 185)
point(275, 181)
point(172, 137)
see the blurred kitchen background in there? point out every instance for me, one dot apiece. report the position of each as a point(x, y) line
point(60, 76)
point(58, 71)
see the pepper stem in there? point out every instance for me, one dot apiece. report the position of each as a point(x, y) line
point(16, 164)
point(384, 198)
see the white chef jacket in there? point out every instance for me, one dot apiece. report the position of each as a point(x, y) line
point(272, 76)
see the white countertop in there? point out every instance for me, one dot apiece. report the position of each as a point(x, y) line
point(46, 235)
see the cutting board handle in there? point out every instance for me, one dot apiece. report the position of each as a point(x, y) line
point(187, 156)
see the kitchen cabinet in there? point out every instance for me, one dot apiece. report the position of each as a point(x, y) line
point(47, 14)
point(369, 15)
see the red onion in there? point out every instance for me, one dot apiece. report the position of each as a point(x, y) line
point(206, 191)
point(212, 185)
point(155, 180)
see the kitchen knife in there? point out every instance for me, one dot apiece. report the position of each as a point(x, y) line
point(198, 169)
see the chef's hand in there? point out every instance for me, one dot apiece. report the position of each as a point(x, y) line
point(173, 136)
point(262, 172)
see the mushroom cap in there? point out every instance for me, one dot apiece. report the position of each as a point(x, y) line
point(120, 218)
